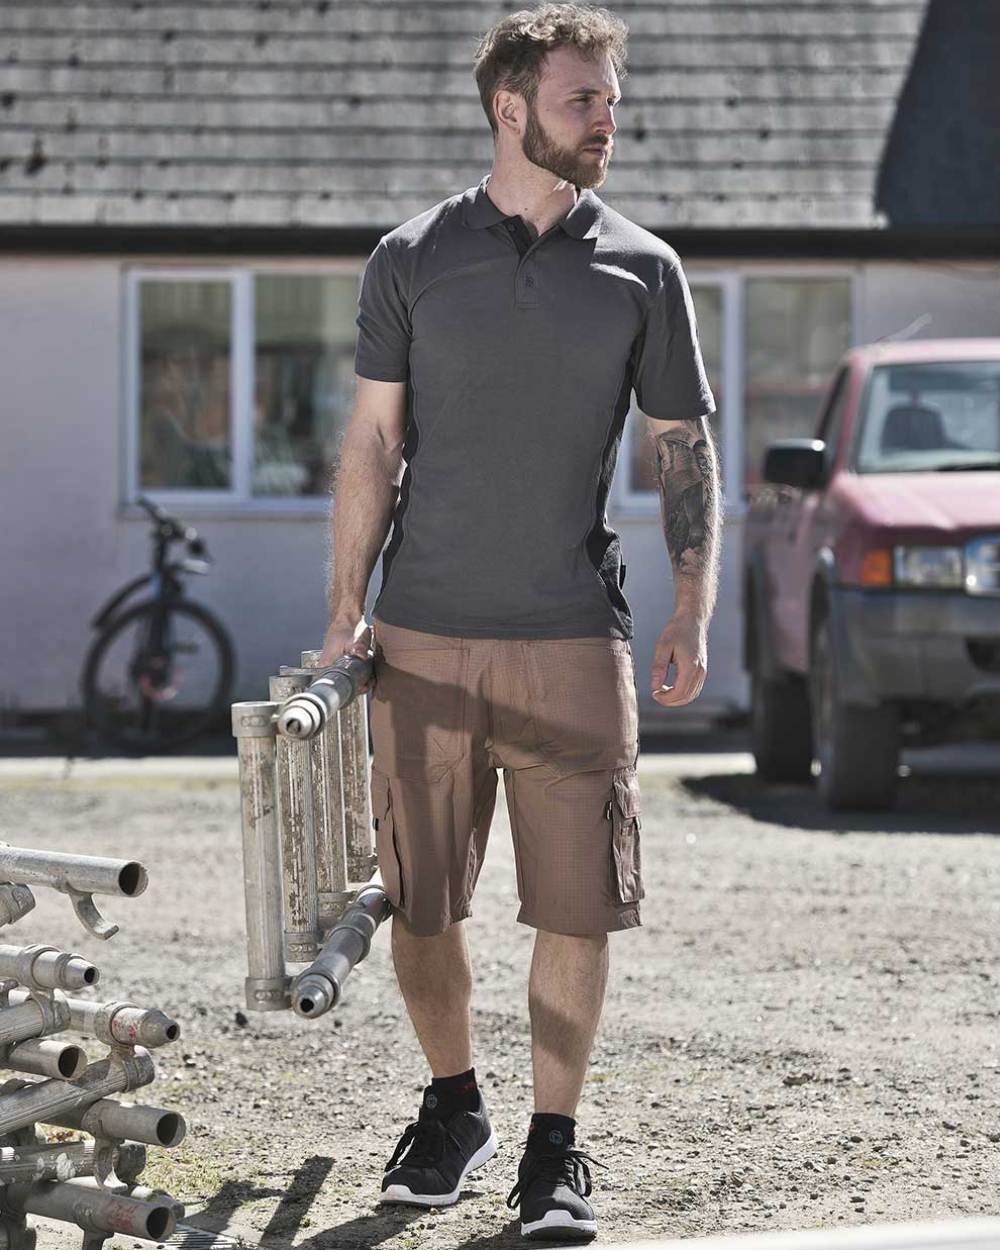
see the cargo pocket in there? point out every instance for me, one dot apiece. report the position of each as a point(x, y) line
point(626, 862)
point(386, 845)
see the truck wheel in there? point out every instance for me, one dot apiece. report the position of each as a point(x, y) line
point(780, 731)
point(857, 747)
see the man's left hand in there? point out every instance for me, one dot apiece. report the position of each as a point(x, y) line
point(684, 643)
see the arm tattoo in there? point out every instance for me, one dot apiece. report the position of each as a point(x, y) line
point(689, 505)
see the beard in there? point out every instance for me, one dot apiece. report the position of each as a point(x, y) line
point(583, 169)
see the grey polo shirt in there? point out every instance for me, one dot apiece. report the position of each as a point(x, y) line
point(520, 354)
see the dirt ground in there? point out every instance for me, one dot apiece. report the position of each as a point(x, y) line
point(803, 1033)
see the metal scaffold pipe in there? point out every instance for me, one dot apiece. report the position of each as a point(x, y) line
point(15, 901)
point(145, 1193)
point(320, 986)
point(58, 1161)
point(305, 714)
point(44, 1099)
point(87, 874)
point(79, 877)
point(120, 1021)
point(132, 1122)
point(295, 823)
point(46, 1057)
point(46, 968)
point(32, 1017)
point(94, 1210)
point(266, 986)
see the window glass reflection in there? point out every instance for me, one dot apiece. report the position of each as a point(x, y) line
point(184, 388)
point(796, 331)
point(304, 375)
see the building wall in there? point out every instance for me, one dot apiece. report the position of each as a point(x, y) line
point(68, 541)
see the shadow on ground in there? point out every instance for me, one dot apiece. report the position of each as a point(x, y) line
point(956, 803)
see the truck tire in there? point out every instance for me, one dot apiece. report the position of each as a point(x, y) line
point(857, 747)
point(780, 730)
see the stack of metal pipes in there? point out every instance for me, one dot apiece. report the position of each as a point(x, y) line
point(312, 887)
point(90, 1183)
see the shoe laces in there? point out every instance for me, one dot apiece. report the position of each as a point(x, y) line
point(568, 1166)
point(427, 1136)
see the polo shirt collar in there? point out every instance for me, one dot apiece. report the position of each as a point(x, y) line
point(583, 221)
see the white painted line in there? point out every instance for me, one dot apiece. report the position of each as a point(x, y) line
point(974, 1233)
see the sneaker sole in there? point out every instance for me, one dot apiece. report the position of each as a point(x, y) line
point(402, 1193)
point(558, 1224)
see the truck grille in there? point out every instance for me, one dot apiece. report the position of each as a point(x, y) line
point(982, 566)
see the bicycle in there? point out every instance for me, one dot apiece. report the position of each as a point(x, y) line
point(160, 672)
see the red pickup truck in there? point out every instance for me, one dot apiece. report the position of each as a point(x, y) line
point(871, 571)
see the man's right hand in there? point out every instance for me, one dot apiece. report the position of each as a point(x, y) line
point(347, 637)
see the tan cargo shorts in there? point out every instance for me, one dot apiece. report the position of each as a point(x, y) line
point(560, 717)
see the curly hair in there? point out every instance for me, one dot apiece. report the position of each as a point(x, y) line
point(510, 54)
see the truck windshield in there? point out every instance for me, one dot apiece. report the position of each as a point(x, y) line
point(935, 415)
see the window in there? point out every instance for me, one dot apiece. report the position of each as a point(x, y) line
point(184, 392)
point(931, 415)
point(796, 331)
point(241, 382)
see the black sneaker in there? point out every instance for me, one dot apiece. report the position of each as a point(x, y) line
point(440, 1153)
point(552, 1188)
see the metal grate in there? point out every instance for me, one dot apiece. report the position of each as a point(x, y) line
point(186, 1237)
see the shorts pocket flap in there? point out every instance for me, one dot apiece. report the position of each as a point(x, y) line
point(627, 793)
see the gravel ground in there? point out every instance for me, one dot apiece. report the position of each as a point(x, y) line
point(803, 1033)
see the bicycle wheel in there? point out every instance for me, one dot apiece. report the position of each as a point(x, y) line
point(158, 676)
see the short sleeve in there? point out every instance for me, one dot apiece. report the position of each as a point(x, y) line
point(382, 350)
point(669, 379)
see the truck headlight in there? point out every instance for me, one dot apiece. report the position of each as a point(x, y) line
point(928, 566)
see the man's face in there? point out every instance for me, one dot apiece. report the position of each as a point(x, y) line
point(573, 114)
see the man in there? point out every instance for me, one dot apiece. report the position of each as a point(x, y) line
point(501, 333)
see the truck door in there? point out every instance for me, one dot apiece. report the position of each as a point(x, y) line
point(800, 531)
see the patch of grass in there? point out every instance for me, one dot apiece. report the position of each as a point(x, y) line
point(185, 1171)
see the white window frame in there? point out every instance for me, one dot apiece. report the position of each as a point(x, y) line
point(732, 281)
point(238, 500)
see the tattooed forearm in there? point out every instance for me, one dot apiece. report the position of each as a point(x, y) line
point(688, 478)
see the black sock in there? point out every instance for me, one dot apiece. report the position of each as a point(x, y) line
point(549, 1131)
point(453, 1093)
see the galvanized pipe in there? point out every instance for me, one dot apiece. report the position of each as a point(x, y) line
point(361, 861)
point(93, 1209)
point(295, 823)
point(145, 1193)
point(46, 1057)
point(117, 1021)
point(130, 1122)
point(133, 1122)
point(32, 1017)
point(320, 986)
point(15, 901)
point(47, 968)
point(266, 987)
point(80, 877)
point(42, 1100)
point(328, 814)
point(87, 874)
point(305, 714)
point(58, 1161)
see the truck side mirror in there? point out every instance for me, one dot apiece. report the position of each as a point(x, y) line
point(797, 462)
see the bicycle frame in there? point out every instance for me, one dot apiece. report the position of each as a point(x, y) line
point(163, 580)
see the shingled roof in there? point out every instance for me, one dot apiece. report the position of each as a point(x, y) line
point(766, 113)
